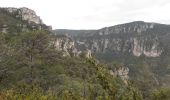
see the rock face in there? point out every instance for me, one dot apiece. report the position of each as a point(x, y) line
point(88, 54)
point(16, 20)
point(121, 72)
point(66, 45)
point(136, 38)
point(140, 48)
point(25, 14)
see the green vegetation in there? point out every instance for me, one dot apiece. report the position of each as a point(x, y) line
point(13, 23)
point(32, 69)
point(30, 58)
point(161, 94)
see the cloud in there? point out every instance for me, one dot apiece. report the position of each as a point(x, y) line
point(94, 14)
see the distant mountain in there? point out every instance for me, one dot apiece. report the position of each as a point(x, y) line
point(135, 44)
point(136, 38)
point(73, 33)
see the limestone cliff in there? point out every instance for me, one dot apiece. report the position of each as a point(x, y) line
point(66, 45)
point(136, 38)
point(25, 14)
point(140, 48)
point(16, 20)
point(121, 72)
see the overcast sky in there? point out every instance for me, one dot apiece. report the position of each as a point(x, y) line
point(94, 14)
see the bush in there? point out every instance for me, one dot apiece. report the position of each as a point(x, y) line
point(27, 92)
point(161, 94)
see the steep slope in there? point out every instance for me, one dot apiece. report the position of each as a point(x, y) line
point(143, 47)
point(28, 56)
point(136, 51)
point(16, 20)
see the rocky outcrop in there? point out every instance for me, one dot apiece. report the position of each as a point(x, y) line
point(88, 54)
point(66, 45)
point(121, 72)
point(152, 50)
point(25, 14)
point(17, 20)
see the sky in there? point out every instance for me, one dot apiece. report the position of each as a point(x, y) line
point(94, 14)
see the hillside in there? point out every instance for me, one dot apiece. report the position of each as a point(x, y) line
point(142, 47)
point(37, 63)
point(15, 20)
